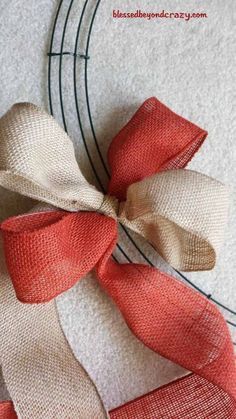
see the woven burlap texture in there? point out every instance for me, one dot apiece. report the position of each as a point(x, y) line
point(182, 213)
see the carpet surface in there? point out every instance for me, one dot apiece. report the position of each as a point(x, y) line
point(190, 66)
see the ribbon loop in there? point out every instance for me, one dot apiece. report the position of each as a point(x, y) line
point(52, 250)
point(155, 139)
point(182, 213)
point(37, 159)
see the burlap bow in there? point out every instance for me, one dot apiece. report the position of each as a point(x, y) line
point(182, 213)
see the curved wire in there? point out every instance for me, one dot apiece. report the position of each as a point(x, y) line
point(86, 89)
point(50, 56)
point(209, 296)
point(60, 64)
point(76, 95)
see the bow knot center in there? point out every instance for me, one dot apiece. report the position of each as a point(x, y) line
point(110, 206)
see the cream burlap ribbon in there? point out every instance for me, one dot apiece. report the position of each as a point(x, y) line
point(181, 212)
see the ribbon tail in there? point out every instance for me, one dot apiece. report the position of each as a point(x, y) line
point(183, 398)
point(42, 376)
point(177, 323)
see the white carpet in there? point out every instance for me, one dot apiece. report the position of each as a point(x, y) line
point(190, 66)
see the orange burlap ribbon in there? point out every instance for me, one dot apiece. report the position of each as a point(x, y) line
point(181, 212)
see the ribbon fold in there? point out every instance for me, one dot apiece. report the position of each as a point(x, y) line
point(182, 213)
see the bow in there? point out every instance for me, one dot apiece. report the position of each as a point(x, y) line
point(182, 213)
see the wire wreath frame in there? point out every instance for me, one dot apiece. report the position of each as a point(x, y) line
point(75, 54)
